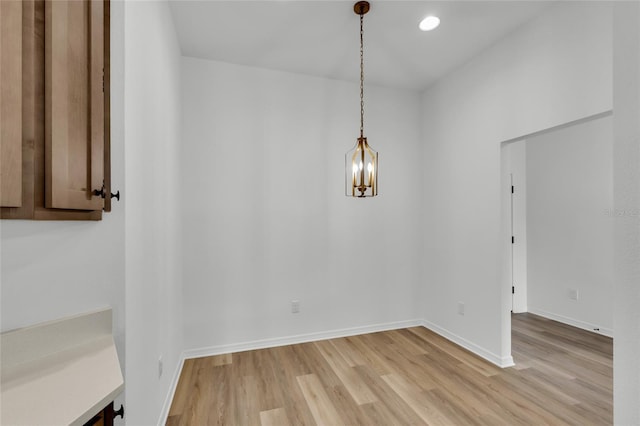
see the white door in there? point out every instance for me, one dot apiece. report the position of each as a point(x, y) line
point(518, 227)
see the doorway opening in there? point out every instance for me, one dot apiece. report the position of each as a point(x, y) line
point(557, 193)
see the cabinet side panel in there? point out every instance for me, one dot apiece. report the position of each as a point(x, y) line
point(11, 104)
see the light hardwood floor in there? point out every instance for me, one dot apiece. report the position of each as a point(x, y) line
point(563, 375)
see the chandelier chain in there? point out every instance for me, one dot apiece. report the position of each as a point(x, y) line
point(361, 76)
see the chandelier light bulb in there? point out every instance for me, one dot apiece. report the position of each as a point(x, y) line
point(429, 23)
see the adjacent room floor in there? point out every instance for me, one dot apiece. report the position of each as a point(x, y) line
point(563, 375)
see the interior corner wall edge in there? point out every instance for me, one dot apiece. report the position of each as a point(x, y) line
point(152, 224)
point(502, 94)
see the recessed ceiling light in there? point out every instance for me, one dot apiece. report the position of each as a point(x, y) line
point(429, 23)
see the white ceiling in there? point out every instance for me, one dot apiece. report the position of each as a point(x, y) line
point(322, 37)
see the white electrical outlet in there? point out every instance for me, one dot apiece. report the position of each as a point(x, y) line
point(573, 294)
point(160, 366)
point(295, 306)
point(460, 308)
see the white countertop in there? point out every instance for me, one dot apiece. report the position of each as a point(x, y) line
point(61, 372)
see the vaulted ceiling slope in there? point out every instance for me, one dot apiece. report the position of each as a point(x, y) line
point(321, 38)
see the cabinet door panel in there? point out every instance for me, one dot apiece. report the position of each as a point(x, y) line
point(11, 103)
point(74, 104)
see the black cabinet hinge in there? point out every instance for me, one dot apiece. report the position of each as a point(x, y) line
point(513, 290)
point(513, 240)
point(512, 189)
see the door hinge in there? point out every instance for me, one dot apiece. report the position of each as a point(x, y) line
point(513, 290)
point(513, 240)
point(512, 189)
point(102, 80)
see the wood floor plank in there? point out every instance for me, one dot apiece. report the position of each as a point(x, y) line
point(346, 350)
point(272, 393)
point(371, 357)
point(183, 388)
point(350, 411)
point(535, 395)
point(546, 367)
point(323, 411)
point(218, 360)
point(221, 409)
point(546, 385)
point(457, 352)
point(399, 361)
point(378, 414)
point(413, 397)
point(173, 420)
point(465, 388)
point(289, 366)
point(247, 411)
point(352, 382)
point(404, 363)
point(316, 364)
point(581, 367)
point(390, 404)
point(274, 417)
point(454, 412)
point(201, 388)
point(408, 341)
point(410, 376)
point(503, 400)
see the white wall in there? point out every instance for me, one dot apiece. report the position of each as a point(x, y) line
point(626, 202)
point(266, 220)
point(56, 269)
point(570, 224)
point(554, 70)
point(153, 253)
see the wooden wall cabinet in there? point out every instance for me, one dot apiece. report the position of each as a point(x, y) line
point(10, 103)
point(54, 99)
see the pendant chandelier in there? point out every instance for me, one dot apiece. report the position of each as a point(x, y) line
point(361, 174)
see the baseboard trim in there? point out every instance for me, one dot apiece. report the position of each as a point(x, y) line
point(172, 391)
point(573, 322)
point(300, 338)
point(502, 362)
